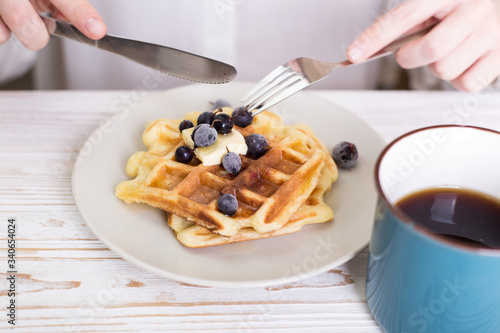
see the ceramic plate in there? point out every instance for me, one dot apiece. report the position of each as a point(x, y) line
point(140, 234)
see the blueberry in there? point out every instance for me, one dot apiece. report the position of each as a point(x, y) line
point(223, 123)
point(257, 145)
point(206, 117)
point(204, 135)
point(184, 154)
point(241, 117)
point(227, 204)
point(194, 131)
point(220, 103)
point(345, 154)
point(232, 163)
point(185, 124)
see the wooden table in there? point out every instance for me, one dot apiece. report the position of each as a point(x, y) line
point(68, 281)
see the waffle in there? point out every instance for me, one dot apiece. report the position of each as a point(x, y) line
point(314, 210)
point(270, 190)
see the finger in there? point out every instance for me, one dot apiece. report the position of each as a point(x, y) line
point(42, 6)
point(45, 6)
point(424, 25)
point(83, 16)
point(4, 32)
point(60, 16)
point(21, 18)
point(481, 74)
point(391, 25)
point(444, 38)
point(466, 54)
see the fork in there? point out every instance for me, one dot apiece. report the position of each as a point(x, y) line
point(299, 73)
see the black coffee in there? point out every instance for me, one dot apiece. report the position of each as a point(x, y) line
point(465, 215)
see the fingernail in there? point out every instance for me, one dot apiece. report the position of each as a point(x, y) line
point(356, 51)
point(95, 26)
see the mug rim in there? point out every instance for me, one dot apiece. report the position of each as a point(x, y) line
point(407, 220)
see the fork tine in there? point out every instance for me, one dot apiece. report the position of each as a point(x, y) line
point(282, 94)
point(273, 89)
point(268, 81)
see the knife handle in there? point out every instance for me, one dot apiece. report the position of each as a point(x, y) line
point(64, 29)
point(118, 45)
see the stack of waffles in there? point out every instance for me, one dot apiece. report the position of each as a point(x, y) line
point(277, 193)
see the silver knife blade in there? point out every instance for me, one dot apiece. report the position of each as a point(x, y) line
point(167, 60)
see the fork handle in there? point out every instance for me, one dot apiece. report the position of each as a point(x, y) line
point(395, 45)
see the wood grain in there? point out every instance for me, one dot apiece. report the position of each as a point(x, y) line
point(70, 282)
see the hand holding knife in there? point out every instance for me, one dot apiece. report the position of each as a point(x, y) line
point(167, 60)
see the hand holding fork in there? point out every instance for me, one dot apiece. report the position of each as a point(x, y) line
point(299, 73)
point(464, 48)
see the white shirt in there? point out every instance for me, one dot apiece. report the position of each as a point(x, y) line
point(15, 60)
point(255, 36)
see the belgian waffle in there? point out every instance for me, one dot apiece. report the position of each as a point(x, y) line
point(270, 190)
point(314, 210)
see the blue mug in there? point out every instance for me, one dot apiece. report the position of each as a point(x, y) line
point(418, 281)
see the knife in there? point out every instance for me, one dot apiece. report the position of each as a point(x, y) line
point(167, 60)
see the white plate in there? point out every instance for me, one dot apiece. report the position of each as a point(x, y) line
point(141, 235)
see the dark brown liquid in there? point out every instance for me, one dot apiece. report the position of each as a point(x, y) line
point(463, 215)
